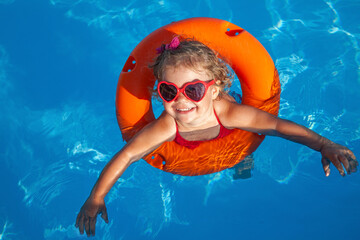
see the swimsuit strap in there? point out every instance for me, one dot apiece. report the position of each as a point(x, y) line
point(223, 130)
point(217, 118)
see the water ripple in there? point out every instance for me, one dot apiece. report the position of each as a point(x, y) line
point(115, 18)
point(6, 233)
point(153, 206)
point(4, 82)
point(289, 67)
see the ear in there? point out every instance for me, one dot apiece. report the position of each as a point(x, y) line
point(215, 90)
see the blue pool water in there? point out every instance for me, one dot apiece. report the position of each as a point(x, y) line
point(59, 65)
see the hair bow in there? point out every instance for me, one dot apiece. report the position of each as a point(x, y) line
point(174, 44)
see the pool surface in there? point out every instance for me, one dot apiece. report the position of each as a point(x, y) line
point(59, 65)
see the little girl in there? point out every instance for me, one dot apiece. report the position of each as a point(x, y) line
point(191, 82)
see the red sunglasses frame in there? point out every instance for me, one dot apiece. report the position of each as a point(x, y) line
point(207, 84)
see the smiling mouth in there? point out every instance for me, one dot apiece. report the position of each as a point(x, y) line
point(184, 110)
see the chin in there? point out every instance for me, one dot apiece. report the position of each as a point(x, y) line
point(184, 116)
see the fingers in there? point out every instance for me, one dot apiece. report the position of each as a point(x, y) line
point(87, 226)
point(92, 226)
point(77, 220)
point(351, 154)
point(337, 164)
point(86, 223)
point(80, 223)
point(348, 159)
point(104, 215)
point(326, 166)
point(345, 162)
point(353, 165)
point(340, 161)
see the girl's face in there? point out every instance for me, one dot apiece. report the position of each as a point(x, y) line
point(183, 110)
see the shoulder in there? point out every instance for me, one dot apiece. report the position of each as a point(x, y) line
point(151, 137)
point(163, 127)
point(232, 114)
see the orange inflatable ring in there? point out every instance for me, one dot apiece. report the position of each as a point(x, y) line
point(244, 54)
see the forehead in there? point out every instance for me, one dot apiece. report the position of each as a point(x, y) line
point(180, 75)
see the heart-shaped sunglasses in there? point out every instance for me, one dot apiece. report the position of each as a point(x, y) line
point(195, 91)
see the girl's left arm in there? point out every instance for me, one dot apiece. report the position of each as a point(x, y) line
point(254, 120)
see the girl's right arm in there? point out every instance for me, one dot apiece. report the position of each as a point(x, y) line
point(145, 141)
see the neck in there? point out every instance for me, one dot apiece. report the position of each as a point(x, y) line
point(206, 121)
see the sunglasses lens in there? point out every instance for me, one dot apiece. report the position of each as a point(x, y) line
point(195, 91)
point(168, 92)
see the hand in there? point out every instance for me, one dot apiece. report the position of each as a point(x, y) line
point(340, 156)
point(88, 213)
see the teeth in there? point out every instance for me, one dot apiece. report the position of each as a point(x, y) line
point(184, 109)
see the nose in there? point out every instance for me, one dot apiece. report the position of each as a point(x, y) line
point(180, 97)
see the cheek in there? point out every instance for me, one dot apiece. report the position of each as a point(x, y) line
point(205, 103)
point(208, 97)
point(167, 106)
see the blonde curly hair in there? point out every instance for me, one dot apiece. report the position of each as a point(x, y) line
point(196, 55)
